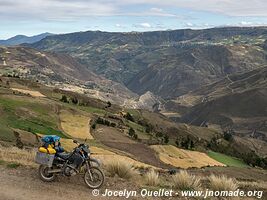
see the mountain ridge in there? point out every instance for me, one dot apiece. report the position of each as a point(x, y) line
point(20, 39)
point(203, 56)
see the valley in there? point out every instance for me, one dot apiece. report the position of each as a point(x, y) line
point(163, 100)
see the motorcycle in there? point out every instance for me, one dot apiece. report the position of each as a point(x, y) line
point(63, 163)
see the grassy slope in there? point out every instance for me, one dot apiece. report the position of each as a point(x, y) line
point(35, 115)
point(26, 113)
point(227, 160)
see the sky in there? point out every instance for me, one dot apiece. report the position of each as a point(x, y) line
point(31, 17)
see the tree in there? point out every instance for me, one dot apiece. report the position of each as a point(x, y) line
point(64, 99)
point(159, 134)
point(166, 139)
point(129, 117)
point(135, 136)
point(192, 144)
point(177, 142)
point(74, 100)
point(19, 143)
point(93, 126)
point(149, 128)
point(113, 124)
point(108, 104)
point(131, 132)
point(99, 120)
point(187, 143)
point(228, 135)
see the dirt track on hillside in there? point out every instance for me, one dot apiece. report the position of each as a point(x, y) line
point(24, 184)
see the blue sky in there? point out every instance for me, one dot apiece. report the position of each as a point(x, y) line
point(32, 17)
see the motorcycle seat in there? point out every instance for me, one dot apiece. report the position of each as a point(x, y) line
point(64, 155)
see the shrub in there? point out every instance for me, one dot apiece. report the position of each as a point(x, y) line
point(187, 143)
point(99, 120)
point(129, 117)
point(152, 178)
point(13, 165)
point(131, 132)
point(112, 124)
point(185, 181)
point(64, 99)
point(166, 139)
point(159, 134)
point(148, 128)
point(93, 126)
point(74, 100)
point(228, 135)
point(120, 168)
point(106, 122)
point(222, 183)
point(135, 136)
point(108, 104)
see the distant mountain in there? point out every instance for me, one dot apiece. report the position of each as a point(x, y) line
point(20, 39)
point(166, 63)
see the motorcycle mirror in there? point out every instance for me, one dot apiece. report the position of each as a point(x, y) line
point(85, 140)
point(75, 141)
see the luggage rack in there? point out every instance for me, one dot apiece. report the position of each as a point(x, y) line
point(44, 159)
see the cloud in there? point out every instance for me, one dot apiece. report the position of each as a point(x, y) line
point(120, 26)
point(67, 10)
point(248, 23)
point(189, 24)
point(53, 9)
point(156, 10)
point(244, 23)
point(226, 7)
point(197, 25)
point(143, 25)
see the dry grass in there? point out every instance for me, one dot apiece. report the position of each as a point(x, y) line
point(152, 178)
point(120, 168)
point(185, 181)
point(16, 155)
point(184, 158)
point(222, 183)
point(30, 92)
point(253, 185)
point(75, 125)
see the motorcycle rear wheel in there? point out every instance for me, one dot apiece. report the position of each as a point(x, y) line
point(94, 178)
point(44, 175)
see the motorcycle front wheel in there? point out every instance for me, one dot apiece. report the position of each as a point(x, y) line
point(94, 178)
point(44, 175)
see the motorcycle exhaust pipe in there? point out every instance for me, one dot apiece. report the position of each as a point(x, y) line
point(54, 171)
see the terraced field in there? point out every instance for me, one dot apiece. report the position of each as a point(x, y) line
point(227, 160)
point(30, 92)
point(115, 139)
point(184, 158)
point(75, 125)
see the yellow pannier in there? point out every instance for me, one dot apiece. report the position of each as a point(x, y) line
point(48, 150)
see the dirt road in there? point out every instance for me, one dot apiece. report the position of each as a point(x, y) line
point(24, 184)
